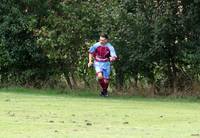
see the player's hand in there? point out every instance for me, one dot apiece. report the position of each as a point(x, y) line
point(90, 64)
point(112, 59)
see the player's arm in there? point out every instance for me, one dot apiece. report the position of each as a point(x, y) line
point(113, 56)
point(90, 60)
point(91, 54)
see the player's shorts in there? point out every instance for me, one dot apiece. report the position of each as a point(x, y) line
point(103, 67)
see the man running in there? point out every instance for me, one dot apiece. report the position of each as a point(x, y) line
point(103, 53)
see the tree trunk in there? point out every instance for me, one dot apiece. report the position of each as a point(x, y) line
point(136, 81)
point(119, 79)
point(174, 76)
point(74, 80)
point(66, 74)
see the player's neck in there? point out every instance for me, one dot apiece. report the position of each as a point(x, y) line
point(104, 43)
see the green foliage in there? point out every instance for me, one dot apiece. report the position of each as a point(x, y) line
point(157, 41)
point(19, 52)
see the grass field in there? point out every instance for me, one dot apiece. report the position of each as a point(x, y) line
point(42, 114)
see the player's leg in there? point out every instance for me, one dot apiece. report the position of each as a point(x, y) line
point(100, 79)
point(101, 82)
point(99, 75)
point(106, 76)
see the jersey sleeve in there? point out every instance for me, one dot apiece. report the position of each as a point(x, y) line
point(93, 48)
point(112, 51)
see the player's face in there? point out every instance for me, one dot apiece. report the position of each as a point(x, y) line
point(103, 40)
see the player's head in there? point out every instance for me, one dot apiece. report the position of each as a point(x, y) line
point(103, 38)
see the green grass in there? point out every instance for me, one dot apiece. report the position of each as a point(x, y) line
point(47, 114)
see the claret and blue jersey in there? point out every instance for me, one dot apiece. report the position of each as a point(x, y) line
point(102, 54)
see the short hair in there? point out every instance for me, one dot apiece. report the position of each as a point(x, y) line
point(104, 35)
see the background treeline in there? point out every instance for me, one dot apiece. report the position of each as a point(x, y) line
point(44, 43)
